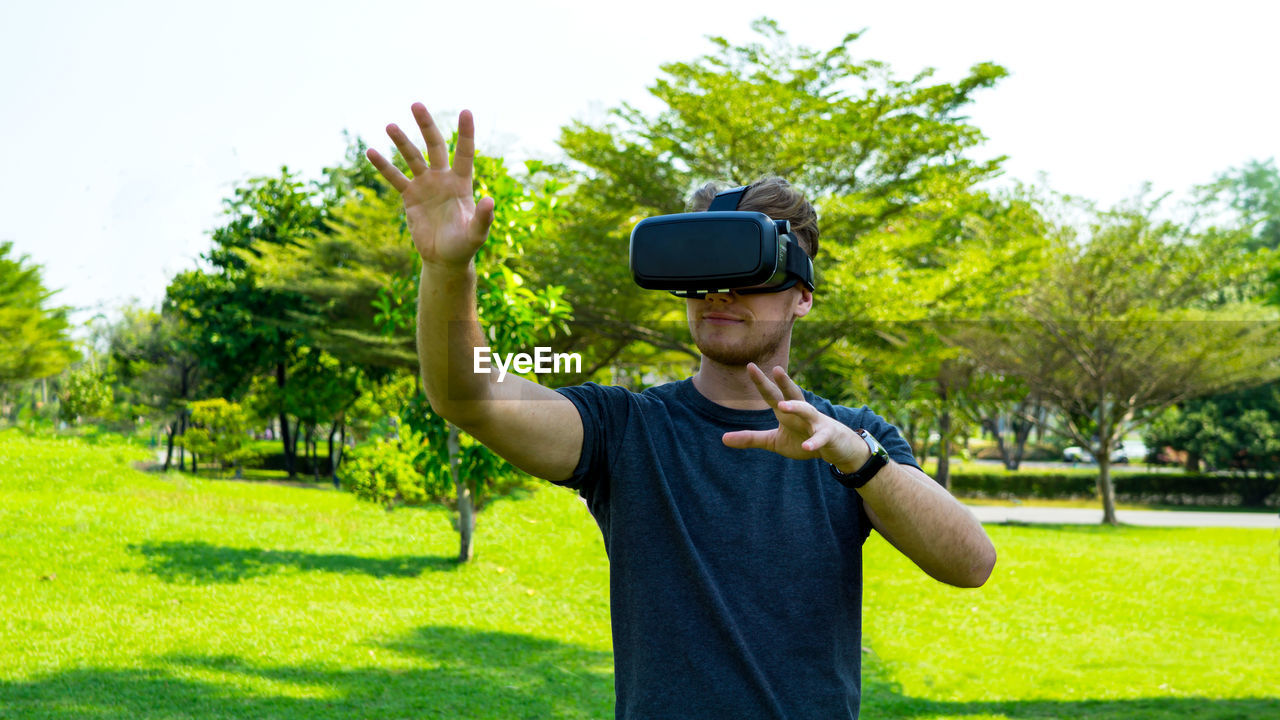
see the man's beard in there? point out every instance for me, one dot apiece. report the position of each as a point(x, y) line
point(754, 347)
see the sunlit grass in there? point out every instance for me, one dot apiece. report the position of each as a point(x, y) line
point(132, 595)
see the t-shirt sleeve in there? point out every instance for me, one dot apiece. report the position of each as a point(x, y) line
point(604, 411)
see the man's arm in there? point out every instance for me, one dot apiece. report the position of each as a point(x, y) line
point(924, 522)
point(535, 428)
point(914, 513)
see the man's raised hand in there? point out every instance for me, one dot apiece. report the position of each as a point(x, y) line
point(447, 225)
point(803, 432)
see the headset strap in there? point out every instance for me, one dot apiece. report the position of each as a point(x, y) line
point(728, 199)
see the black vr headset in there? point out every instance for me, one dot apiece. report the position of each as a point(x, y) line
point(720, 250)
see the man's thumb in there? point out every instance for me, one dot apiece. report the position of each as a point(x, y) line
point(483, 218)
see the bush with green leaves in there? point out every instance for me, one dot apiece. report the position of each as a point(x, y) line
point(393, 470)
point(219, 431)
point(86, 393)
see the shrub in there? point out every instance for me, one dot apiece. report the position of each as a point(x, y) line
point(392, 471)
point(1150, 488)
point(219, 431)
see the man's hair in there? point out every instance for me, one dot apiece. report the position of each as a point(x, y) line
point(774, 197)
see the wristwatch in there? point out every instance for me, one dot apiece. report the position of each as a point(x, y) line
point(879, 458)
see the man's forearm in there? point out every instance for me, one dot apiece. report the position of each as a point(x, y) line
point(448, 333)
point(920, 518)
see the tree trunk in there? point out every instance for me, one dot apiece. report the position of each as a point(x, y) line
point(335, 450)
point(1106, 489)
point(289, 448)
point(944, 448)
point(314, 447)
point(466, 509)
point(182, 449)
point(1193, 462)
point(168, 453)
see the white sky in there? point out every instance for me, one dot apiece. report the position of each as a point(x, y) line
point(123, 125)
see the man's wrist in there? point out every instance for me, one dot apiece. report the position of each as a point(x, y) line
point(858, 456)
point(854, 472)
point(439, 267)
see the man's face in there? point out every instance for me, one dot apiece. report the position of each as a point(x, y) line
point(735, 329)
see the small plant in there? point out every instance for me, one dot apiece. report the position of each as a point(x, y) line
point(392, 470)
point(219, 431)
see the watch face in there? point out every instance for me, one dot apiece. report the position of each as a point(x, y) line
point(876, 447)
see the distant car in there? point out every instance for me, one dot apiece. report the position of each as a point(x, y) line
point(1125, 452)
point(1130, 451)
point(1076, 454)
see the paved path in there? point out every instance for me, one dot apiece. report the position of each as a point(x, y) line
point(1151, 518)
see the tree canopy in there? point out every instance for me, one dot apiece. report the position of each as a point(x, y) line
point(35, 339)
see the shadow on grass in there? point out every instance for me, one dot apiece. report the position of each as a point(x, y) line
point(447, 672)
point(885, 700)
point(202, 563)
point(442, 672)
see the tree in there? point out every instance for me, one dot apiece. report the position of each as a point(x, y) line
point(34, 336)
point(155, 371)
point(361, 281)
point(85, 393)
point(238, 328)
point(219, 431)
point(1124, 324)
point(1237, 431)
point(867, 147)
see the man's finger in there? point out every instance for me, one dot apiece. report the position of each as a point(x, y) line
point(801, 409)
point(411, 153)
point(768, 390)
point(437, 150)
point(389, 172)
point(786, 384)
point(464, 155)
point(744, 439)
point(818, 439)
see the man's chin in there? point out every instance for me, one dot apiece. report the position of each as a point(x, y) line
point(736, 349)
point(734, 355)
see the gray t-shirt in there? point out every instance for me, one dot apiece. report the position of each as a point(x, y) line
point(735, 575)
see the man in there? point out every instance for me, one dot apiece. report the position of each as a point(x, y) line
point(733, 504)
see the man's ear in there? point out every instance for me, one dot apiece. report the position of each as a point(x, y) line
point(804, 302)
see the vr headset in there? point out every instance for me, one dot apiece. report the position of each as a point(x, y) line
point(720, 250)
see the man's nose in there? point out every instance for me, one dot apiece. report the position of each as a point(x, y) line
point(725, 297)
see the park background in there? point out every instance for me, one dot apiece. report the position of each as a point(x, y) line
point(1001, 317)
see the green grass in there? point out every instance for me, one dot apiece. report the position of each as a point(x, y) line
point(129, 595)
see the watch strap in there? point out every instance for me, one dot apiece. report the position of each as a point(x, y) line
point(878, 459)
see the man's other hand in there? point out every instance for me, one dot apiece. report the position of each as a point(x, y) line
point(447, 225)
point(802, 431)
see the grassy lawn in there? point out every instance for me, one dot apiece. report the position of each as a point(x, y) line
point(128, 595)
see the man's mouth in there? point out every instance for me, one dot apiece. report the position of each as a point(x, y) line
point(716, 318)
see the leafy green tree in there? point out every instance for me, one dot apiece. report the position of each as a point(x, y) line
point(1125, 323)
point(395, 469)
point(34, 335)
point(219, 431)
point(238, 328)
point(361, 282)
point(1237, 431)
point(86, 393)
point(867, 147)
point(155, 370)
point(320, 390)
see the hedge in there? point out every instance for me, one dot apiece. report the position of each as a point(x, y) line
point(1145, 488)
